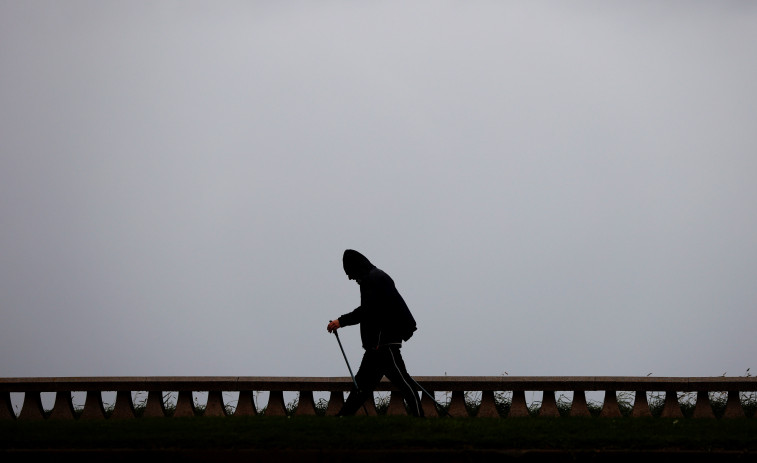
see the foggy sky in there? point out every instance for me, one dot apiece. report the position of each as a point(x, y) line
point(557, 188)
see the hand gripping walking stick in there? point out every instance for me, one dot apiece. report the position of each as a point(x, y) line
point(348, 366)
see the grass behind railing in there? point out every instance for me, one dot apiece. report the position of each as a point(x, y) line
point(502, 401)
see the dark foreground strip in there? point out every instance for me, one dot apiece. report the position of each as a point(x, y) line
point(395, 456)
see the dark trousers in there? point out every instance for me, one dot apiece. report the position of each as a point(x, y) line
point(377, 363)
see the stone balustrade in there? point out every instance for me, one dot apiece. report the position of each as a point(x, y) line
point(487, 388)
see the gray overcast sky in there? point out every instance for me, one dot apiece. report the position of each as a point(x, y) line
point(557, 188)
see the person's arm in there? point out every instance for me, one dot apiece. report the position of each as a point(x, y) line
point(352, 318)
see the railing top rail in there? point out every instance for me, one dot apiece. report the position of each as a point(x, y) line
point(437, 383)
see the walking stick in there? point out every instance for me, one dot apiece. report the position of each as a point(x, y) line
point(348, 367)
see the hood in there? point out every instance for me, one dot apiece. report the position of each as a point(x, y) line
point(356, 264)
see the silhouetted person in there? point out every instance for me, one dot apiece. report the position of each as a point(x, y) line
point(385, 321)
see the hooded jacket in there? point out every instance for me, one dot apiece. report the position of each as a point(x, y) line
point(383, 315)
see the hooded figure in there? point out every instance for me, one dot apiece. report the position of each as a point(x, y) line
point(385, 321)
point(383, 315)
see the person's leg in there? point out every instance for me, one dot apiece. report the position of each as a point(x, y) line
point(394, 369)
point(367, 377)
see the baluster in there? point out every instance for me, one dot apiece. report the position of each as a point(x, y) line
point(214, 405)
point(124, 407)
point(671, 408)
point(733, 408)
point(579, 407)
point(93, 407)
point(641, 406)
point(245, 404)
point(428, 406)
point(31, 408)
point(63, 409)
point(703, 408)
point(488, 408)
point(276, 405)
point(305, 404)
point(518, 406)
point(457, 405)
point(336, 402)
point(396, 404)
point(6, 407)
point(154, 407)
point(610, 407)
point(369, 405)
point(548, 405)
point(185, 406)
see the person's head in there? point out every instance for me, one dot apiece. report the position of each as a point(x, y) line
point(356, 265)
